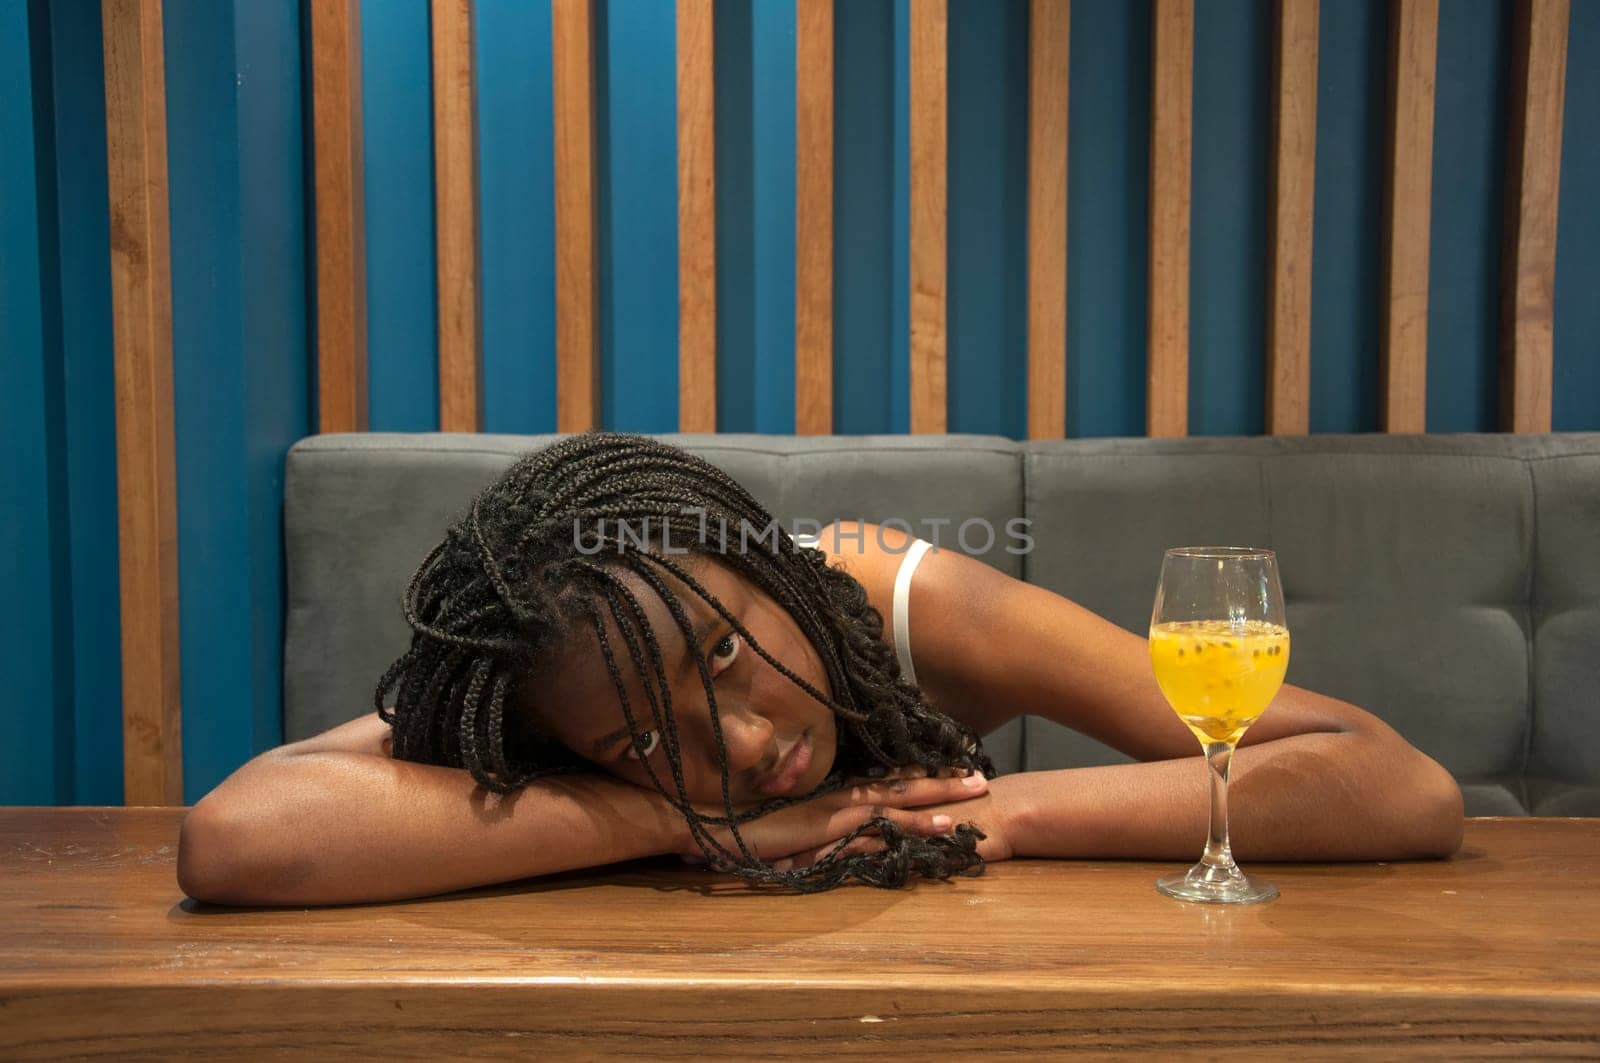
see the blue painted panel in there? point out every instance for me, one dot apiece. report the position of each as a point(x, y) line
point(636, 105)
point(35, 654)
point(1108, 191)
point(90, 401)
point(275, 328)
point(900, 212)
point(397, 130)
point(755, 120)
point(1228, 242)
point(516, 214)
point(867, 206)
point(736, 197)
point(1576, 398)
point(1347, 223)
point(208, 391)
point(988, 189)
point(239, 354)
point(772, 47)
point(1469, 160)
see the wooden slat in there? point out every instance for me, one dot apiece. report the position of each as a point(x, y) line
point(577, 352)
point(697, 220)
point(1171, 138)
point(340, 210)
point(1294, 167)
point(1049, 27)
point(929, 133)
point(1533, 185)
point(1413, 46)
point(456, 218)
point(813, 218)
point(141, 305)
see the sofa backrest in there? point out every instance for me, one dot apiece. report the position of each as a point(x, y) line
point(362, 510)
point(1420, 573)
point(1449, 584)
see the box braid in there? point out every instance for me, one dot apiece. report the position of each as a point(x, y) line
point(495, 601)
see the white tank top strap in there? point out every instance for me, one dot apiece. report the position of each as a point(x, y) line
point(902, 606)
point(902, 599)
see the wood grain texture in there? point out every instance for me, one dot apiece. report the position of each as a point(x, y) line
point(577, 282)
point(813, 218)
point(1293, 182)
point(1171, 151)
point(697, 219)
point(1494, 953)
point(456, 218)
point(1533, 190)
point(141, 315)
point(340, 216)
point(1413, 47)
point(1049, 30)
point(929, 130)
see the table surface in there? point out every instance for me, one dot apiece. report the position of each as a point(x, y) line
point(1494, 950)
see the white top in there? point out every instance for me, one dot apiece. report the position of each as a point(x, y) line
point(902, 599)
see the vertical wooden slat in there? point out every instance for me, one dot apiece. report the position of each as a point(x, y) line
point(929, 134)
point(340, 220)
point(1171, 140)
point(813, 218)
point(1413, 47)
point(456, 218)
point(1294, 167)
point(1533, 185)
point(577, 352)
point(1049, 27)
point(141, 310)
point(697, 219)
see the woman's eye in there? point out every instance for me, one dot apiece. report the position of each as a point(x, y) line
point(650, 747)
point(724, 653)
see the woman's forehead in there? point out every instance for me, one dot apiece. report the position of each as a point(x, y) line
point(581, 663)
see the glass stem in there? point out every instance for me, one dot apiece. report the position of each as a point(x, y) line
point(1218, 853)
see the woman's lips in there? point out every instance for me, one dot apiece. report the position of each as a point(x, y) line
point(793, 768)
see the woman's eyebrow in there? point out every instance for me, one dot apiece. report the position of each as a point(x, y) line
point(690, 651)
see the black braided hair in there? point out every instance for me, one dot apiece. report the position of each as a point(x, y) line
point(523, 570)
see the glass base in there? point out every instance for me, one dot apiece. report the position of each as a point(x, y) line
point(1216, 885)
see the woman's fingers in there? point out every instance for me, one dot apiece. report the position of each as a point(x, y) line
point(908, 793)
point(925, 823)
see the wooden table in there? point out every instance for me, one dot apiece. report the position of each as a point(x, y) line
point(1493, 953)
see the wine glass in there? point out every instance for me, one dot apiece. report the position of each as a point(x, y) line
point(1219, 644)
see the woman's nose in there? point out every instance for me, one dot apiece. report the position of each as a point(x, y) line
point(749, 737)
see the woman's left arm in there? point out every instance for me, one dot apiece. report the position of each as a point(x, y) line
point(1314, 779)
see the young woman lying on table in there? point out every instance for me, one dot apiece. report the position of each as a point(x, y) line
point(581, 691)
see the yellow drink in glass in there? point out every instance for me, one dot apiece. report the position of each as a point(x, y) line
point(1219, 675)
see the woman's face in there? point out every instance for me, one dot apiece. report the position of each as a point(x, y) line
point(763, 714)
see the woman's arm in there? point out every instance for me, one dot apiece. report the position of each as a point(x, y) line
point(334, 820)
point(1317, 778)
point(324, 822)
point(1306, 797)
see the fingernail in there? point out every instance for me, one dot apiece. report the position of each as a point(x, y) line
point(975, 780)
point(941, 822)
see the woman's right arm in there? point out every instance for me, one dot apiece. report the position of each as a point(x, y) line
point(334, 820)
point(326, 825)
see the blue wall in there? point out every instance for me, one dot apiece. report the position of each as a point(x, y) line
point(238, 223)
point(241, 261)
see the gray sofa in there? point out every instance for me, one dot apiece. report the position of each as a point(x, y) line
point(1449, 584)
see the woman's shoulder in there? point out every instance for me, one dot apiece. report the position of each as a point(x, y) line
point(871, 553)
point(948, 598)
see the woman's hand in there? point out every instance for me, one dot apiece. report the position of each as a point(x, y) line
point(800, 829)
point(992, 810)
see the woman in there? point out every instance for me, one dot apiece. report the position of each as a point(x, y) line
point(627, 658)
